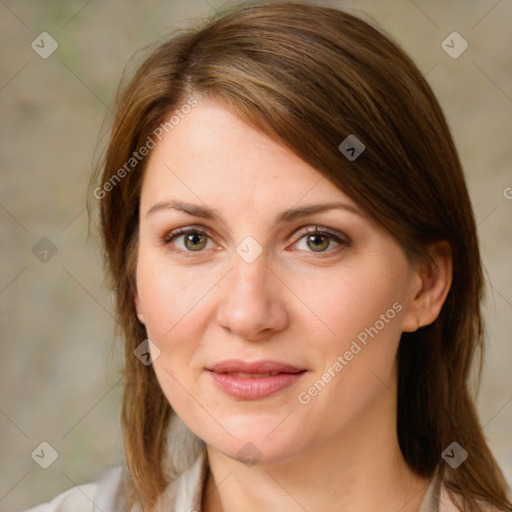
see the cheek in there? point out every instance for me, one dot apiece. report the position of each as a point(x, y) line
point(170, 301)
point(356, 356)
point(176, 304)
point(361, 311)
point(358, 299)
point(169, 297)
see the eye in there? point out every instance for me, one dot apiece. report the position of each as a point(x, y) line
point(318, 240)
point(192, 240)
point(189, 240)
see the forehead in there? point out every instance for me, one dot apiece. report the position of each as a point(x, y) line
point(214, 157)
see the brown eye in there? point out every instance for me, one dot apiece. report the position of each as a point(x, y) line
point(321, 241)
point(195, 241)
point(318, 243)
point(187, 240)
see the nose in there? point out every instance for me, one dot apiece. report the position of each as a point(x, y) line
point(252, 304)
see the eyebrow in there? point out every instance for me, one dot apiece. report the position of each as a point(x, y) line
point(289, 215)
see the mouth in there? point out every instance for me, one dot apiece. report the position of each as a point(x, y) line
point(251, 375)
point(254, 380)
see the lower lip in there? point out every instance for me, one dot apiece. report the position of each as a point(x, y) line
point(254, 388)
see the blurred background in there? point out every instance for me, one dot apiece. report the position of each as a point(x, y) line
point(60, 63)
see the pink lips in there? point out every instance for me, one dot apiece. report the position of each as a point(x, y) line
point(253, 381)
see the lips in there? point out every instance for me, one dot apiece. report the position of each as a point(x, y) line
point(253, 380)
point(237, 366)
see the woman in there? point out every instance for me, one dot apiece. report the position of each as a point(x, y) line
point(298, 279)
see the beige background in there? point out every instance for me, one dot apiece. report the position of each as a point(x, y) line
point(59, 375)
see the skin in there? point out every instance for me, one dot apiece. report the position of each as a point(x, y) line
point(299, 303)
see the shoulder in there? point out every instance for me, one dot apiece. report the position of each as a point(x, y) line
point(438, 498)
point(449, 502)
point(186, 492)
point(78, 499)
point(90, 497)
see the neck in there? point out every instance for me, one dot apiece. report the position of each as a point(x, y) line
point(360, 468)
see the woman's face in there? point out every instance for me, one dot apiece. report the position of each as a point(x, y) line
point(273, 340)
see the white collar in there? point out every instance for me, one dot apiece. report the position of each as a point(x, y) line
point(186, 492)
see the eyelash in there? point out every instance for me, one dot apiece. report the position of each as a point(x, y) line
point(343, 241)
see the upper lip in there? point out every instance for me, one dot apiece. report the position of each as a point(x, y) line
point(238, 366)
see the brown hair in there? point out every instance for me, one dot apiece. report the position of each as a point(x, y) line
point(308, 77)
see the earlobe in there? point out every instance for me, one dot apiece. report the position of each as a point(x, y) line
point(138, 308)
point(435, 279)
point(411, 320)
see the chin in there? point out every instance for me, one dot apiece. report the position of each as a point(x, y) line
point(256, 446)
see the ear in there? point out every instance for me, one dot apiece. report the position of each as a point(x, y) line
point(138, 308)
point(431, 282)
